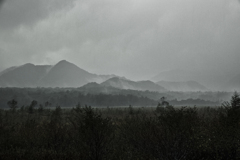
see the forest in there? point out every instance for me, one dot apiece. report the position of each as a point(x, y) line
point(70, 97)
point(162, 132)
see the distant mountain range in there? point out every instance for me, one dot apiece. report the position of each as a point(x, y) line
point(95, 88)
point(63, 74)
point(191, 86)
point(115, 84)
point(120, 83)
point(215, 80)
point(66, 74)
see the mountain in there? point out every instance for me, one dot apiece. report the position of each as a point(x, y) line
point(7, 70)
point(95, 88)
point(63, 74)
point(214, 80)
point(188, 86)
point(120, 83)
point(23, 76)
point(102, 78)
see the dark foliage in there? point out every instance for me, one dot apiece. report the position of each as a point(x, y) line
point(69, 97)
point(163, 133)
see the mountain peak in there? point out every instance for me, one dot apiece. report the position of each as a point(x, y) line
point(66, 66)
point(64, 62)
point(66, 74)
point(27, 65)
point(120, 83)
point(91, 85)
point(115, 79)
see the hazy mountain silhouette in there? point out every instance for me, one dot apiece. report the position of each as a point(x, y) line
point(66, 74)
point(95, 88)
point(211, 79)
point(63, 74)
point(182, 86)
point(23, 76)
point(102, 78)
point(120, 83)
point(7, 70)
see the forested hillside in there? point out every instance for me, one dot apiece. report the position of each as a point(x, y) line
point(69, 97)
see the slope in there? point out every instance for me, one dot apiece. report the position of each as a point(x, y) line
point(23, 76)
point(188, 86)
point(120, 83)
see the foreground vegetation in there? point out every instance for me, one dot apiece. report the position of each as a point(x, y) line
point(164, 132)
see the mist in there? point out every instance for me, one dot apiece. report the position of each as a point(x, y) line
point(1, 2)
point(135, 39)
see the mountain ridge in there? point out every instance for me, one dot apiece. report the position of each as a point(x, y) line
point(66, 74)
point(186, 86)
point(62, 74)
point(120, 83)
point(25, 75)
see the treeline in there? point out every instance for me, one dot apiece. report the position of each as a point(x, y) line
point(193, 102)
point(164, 132)
point(69, 97)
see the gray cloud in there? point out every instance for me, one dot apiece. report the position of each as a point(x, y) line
point(1, 3)
point(27, 12)
point(137, 39)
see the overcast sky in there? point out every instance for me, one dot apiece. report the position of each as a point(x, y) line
point(133, 38)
